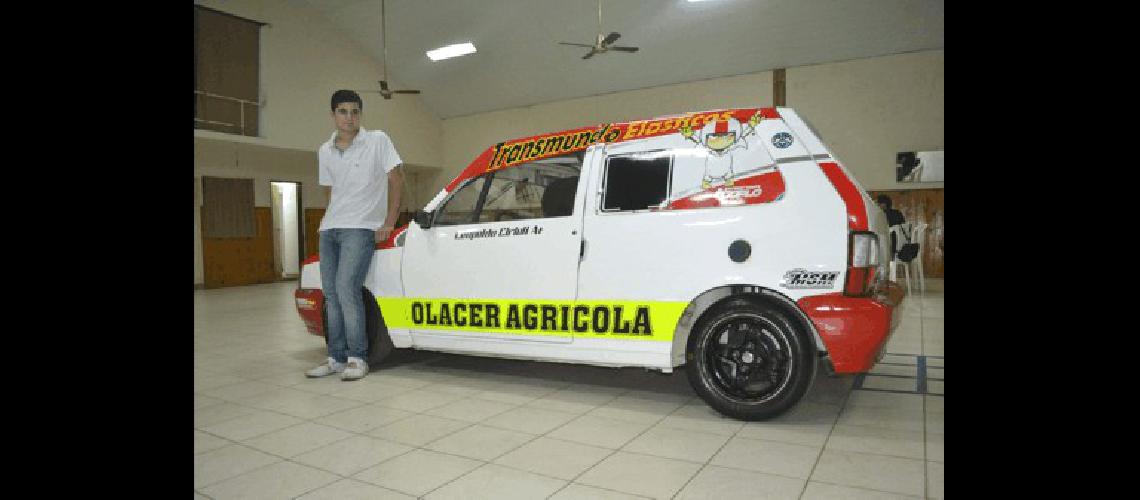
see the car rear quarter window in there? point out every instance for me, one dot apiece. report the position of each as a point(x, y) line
point(636, 182)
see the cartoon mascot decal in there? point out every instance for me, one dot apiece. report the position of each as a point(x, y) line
point(721, 137)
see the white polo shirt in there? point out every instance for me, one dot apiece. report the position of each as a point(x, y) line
point(359, 180)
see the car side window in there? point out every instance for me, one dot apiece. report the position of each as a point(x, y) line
point(460, 207)
point(533, 190)
point(636, 182)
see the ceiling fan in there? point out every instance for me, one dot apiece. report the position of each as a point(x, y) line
point(602, 44)
point(384, 90)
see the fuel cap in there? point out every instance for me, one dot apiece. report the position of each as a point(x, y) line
point(739, 251)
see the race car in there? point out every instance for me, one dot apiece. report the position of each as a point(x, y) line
point(731, 242)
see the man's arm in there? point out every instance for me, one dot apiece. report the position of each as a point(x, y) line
point(395, 189)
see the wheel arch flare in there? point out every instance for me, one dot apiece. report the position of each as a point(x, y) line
point(704, 302)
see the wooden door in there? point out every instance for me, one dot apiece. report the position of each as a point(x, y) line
point(924, 205)
point(241, 261)
point(312, 230)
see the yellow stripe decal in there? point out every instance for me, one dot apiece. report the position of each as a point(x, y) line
point(634, 320)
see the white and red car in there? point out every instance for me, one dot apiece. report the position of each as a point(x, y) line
point(731, 241)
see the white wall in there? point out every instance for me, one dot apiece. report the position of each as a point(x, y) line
point(866, 110)
point(304, 59)
point(263, 164)
point(869, 109)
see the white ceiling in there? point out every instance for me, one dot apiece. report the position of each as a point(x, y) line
point(519, 62)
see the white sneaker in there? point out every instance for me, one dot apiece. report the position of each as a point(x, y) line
point(355, 369)
point(328, 368)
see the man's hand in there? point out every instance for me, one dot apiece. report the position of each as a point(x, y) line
point(383, 233)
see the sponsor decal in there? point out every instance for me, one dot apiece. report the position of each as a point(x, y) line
point(802, 278)
point(502, 232)
point(688, 122)
point(509, 154)
point(765, 187)
point(782, 140)
point(595, 319)
point(742, 192)
point(720, 137)
point(691, 125)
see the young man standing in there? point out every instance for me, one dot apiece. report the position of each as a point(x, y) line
point(361, 167)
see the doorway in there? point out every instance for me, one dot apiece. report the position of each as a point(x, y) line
point(288, 233)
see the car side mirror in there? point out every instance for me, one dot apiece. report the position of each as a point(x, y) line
point(422, 218)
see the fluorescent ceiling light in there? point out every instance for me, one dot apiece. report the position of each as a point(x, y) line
point(459, 49)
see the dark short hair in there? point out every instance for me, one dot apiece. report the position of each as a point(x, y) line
point(346, 96)
point(884, 199)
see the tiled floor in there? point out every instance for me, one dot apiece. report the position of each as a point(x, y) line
point(434, 426)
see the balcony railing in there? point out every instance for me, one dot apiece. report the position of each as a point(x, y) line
point(241, 105)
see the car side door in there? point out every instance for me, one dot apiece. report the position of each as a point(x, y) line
point(500, 258)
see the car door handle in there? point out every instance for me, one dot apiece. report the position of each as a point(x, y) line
point(582, 251)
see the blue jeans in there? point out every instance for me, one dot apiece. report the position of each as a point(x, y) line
point(345, 255)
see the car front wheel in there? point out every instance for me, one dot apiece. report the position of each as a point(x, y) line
point(379, 341)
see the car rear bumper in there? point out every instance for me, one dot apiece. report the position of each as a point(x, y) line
point(855, 330)
point(310, 302)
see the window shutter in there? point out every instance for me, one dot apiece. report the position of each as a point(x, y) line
point(226, 64)
point(227, 208)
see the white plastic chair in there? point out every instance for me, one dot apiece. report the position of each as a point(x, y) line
point(897, 232)
point(918, 235)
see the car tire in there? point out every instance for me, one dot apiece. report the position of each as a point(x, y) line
point(749, 360)
point(379, 342)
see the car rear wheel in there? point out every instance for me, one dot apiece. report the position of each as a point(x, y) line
point(749, 361)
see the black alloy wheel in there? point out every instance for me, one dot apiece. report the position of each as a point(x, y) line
point(749, 361)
